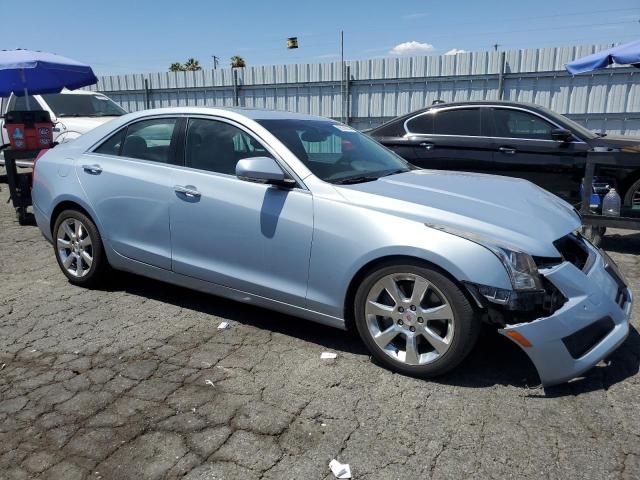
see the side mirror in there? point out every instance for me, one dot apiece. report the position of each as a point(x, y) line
point(263, 170)
point(561, 134)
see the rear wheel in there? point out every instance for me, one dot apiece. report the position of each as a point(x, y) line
point(78, 248)
point(415, 320)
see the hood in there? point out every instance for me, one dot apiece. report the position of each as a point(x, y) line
point(81, 124)
point(505, 211)
point(626, 144)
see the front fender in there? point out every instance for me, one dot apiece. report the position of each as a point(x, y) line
point(347, 238)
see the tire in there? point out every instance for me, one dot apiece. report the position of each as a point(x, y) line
point(628, 196)
point(71, 248)
point(442, 298)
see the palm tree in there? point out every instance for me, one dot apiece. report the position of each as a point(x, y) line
point(237, 62)
point(192, 64)
point(176, 67)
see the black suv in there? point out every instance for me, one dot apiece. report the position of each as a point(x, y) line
point(508, 138)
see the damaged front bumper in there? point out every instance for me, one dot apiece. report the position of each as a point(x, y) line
point(592, 323)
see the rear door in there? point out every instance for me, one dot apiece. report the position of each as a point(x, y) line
point(128, 181)
point(450, 139)
point(524, 148)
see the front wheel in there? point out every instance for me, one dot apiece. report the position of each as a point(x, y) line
point(78, 248)
point(415, 320)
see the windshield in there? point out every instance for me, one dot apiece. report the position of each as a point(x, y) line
point(80, 105)
point(334, 152)
point(582, 131)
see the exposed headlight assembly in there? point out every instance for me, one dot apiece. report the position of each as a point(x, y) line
point(521, 268)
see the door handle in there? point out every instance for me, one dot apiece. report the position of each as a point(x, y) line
point(93, 169)
point(507, 150)
point(426, 145)
point(189, 191)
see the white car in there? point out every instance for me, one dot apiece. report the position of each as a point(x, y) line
point(72, 112)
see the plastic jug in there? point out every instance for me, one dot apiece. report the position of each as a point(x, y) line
point(611, 204)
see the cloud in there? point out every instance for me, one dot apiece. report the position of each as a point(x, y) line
point(328, 55)
point(455, 51)
point(411, 48)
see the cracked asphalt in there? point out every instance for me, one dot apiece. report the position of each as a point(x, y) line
point(134, 381)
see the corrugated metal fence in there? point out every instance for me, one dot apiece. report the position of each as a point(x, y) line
point(380, 89)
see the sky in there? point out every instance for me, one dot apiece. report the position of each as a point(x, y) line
point(138, 36)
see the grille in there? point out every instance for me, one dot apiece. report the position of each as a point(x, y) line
point(573, 250)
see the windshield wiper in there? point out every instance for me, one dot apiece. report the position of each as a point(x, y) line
point(367, 178)
point(393, 172)
point(356, 179)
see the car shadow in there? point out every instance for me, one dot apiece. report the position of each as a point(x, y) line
point(618, 243)
point(495, 360)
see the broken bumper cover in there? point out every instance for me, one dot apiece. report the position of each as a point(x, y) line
point(587, 328)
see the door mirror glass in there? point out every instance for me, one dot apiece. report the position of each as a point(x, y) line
point(263, 170)
point(561, 134)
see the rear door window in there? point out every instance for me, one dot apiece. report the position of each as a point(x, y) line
point(458, 121)
point(149, 140)
point(112, 145)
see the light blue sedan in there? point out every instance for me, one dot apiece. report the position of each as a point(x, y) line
point(307, 216)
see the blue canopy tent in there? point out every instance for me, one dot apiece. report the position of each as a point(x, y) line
point(24, 71)
point(627, 54)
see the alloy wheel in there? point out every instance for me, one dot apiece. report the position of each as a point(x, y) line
point(74, 247)
point(409, 318)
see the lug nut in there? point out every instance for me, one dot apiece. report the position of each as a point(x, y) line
point(400, 309)
point(413, 308)
point(413, 329)
point(400, 322)
point(420, 319)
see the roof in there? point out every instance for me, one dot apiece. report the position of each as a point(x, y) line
point(252, 113)
point(531, 106)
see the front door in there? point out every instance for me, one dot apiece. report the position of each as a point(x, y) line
point(523, 147)
point(252, 237)
point(127, 180)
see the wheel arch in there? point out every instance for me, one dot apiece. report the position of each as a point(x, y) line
point(381, 262)
point(69, 205)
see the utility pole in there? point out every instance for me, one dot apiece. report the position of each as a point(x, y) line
point(216, 60)
point(342, 112)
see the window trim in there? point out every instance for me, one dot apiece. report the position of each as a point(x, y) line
point(281, 163)
point(491, 106)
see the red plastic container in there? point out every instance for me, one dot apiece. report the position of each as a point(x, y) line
point(29, 130)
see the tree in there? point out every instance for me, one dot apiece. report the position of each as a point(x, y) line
point(237, 62)
point(192, 64)
point(176, 67)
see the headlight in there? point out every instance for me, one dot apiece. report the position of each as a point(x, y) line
point(521, 268)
